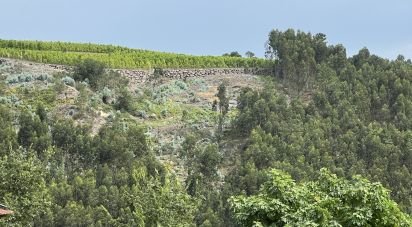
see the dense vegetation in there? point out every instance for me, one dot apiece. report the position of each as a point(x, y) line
point(117, 57)
point(54, 173)
point(322, 119)
point(328, 201)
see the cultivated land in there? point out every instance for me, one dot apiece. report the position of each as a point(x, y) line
point(117, 57)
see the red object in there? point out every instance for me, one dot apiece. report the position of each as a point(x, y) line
point(5, 212)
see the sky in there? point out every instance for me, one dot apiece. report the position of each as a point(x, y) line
point(211, 27)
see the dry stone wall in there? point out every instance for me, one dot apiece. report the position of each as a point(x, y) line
point(140, 76)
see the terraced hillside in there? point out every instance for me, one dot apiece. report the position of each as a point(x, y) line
point(167, 107)
point(201, 141)
point(66, 53)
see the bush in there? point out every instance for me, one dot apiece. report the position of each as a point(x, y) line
point(42, 77)
point(9, 100)
point(25, 77)
point(182, 85)
point(124, 101)
point(20, 78)
point(165, 90)
point(107, 95)
point(142, 114)
point(68, 81)
point(12, 79)
point(164, 113)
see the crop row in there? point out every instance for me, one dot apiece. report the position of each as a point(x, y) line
point(118, 57)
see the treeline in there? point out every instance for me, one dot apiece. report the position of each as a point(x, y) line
point(356, 122)
point(118, 57)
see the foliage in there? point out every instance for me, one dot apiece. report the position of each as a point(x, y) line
point(250, 54)
point(8, 139)
point(23, 188)
point(223, 100)
point(232, 54)
point(12, 99)
point(124, 101)
point(162, 92)
point(111, 179)
point(118, 57)
point(89, 70)
point(26, 77)
point(33, 133)
point(68, 81)
point(223, 107)
point(328, 201)
point(350, 115)
point(107, 95)
point(298, 53)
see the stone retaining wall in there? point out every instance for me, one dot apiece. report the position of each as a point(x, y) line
point(140, 76)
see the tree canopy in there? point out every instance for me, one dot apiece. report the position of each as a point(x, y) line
point(328, 201)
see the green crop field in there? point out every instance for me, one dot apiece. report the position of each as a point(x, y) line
point(66, 53)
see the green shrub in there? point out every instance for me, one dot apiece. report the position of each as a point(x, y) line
point(164, 113)
point(124, 101)
point(162, 92)
point(20, 78)
point(12, 79)
point(12, 100)
point(142, 114)
point(182, 85)
point(106, 94)
point(43, 77)
point(68, 81)
point(25, 78)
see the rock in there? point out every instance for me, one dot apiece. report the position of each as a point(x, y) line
point(140, 76)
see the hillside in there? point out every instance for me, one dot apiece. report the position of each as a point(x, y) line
point(98, 135)
point(117, 57)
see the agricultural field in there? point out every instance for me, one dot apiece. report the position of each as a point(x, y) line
point(118, 57)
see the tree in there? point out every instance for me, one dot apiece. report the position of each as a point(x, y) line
point(329, 201)
point(120, 144)
point(223, 100)
point(249, 54)
point(361, 58)
point(74, 144)
point(89, 69)
point(157, 204)
point(223, 107)
point(23, 189)
point(42, 113)
point(232, 54)
point(124, 101)
point(8, 137)
point(33, 133)
point(298, 53)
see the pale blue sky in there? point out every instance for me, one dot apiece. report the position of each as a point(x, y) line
point(211, 27)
